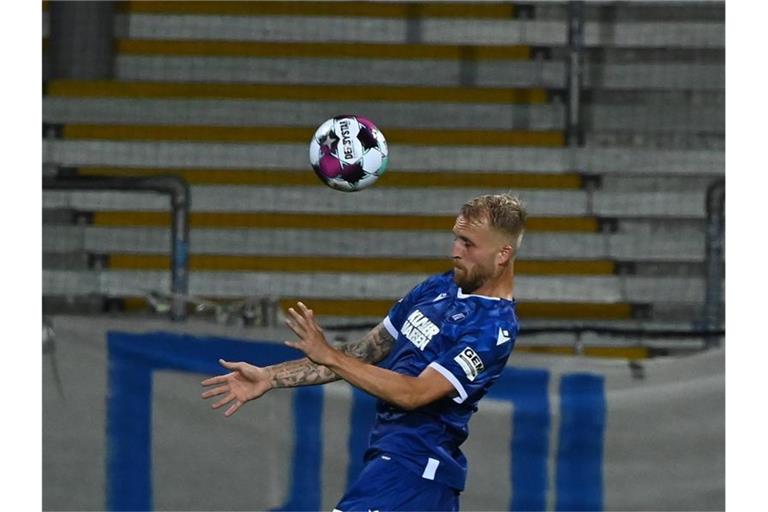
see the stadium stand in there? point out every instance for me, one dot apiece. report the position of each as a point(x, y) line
point(471, 98)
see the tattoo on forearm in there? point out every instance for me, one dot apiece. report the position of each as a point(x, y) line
point(372, 348)
point(302, 372)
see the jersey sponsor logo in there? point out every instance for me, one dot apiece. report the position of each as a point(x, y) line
point(503, 337)
point(441, 296)
point(419, 329)
point(458, 316)
point(470, 362)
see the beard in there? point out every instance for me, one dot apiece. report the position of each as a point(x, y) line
point(469, 281)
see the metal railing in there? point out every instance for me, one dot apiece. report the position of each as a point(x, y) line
point(178, 190)
point(574, 71)
point(714, 301)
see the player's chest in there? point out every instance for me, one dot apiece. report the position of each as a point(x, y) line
point(431, 327)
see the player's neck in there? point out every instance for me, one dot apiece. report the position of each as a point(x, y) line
point(500, 286)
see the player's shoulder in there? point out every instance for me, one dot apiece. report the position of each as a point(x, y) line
point(492, 328)
point(444, 279)
point(436, 284)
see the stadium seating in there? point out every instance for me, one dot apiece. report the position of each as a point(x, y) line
point(471, 99)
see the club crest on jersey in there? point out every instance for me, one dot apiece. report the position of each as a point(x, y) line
point(419, 329)
point(470, 362)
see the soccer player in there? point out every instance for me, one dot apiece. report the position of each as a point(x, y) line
point(446, 342)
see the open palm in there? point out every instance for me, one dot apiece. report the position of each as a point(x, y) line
point(245, 382)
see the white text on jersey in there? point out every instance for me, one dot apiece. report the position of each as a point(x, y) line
point(419, 329)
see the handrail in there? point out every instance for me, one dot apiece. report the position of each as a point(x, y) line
point(715, 257)
point(574, 71)
point(178, 189)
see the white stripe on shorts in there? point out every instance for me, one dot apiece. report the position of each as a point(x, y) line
point(429, 471)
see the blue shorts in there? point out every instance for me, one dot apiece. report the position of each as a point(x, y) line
point(384, 485)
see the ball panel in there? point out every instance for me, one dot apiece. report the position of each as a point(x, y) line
point(348, 153)
point(349, 148)
point(353, 173)
point(329, 166)
point(323, 130)
point(367, 123)
point(314, 152)
point(341, 184)
point(383, 167)
point(381, 143)
point(367, 181)
point(367, 139)
point(372, 161)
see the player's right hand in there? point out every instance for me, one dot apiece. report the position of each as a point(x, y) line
point(245, 382)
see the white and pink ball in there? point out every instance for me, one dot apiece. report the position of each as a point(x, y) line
point(348, 153)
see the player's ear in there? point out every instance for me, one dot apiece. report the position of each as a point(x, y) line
point(506, 253)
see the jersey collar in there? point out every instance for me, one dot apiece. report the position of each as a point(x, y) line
point(461, 295)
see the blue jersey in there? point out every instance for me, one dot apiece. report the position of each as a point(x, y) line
point(468, 339)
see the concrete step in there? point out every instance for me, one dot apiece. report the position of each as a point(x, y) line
point(329, 70)
point(403, 158)
point(651, 140)
point(620, 33)
point(608, 12)
point(661, 242)
point(380, 201)
point(243, 113)
point(683, 99)
point(339, 316)
point(228, 260)
point(610, 55)
point(589, 289)
point(294, 134)
point(293, 177)
point(246, 113)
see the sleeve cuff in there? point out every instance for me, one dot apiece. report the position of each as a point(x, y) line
point(390, 328)
point(452, 379)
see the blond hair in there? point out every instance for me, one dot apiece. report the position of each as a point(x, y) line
point(504, 212)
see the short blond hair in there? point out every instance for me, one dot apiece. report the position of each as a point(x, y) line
point(504, 212)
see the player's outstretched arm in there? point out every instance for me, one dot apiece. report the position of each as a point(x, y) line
point(372, 348)
point(402, 390)
point(247, 382)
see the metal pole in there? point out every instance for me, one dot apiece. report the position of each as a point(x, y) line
point(714, 301)
point(574, 71)
point(180, 206)
point(82, 40)
point(178, 189)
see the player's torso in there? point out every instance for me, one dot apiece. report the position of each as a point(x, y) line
point(438, 321)
point(431, 327)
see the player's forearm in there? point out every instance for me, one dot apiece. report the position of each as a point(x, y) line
point(300, 372)
point(395, 388)
point(372, 348)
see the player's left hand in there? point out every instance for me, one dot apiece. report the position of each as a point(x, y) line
point(311, 337)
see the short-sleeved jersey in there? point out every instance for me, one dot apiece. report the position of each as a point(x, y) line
point(466, 338)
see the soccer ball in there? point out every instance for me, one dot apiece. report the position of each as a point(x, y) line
point(348, 153)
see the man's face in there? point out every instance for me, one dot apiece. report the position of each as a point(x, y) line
point(475, 247)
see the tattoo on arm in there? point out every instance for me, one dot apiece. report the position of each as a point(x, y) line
point(373, 347)
point(302, 372)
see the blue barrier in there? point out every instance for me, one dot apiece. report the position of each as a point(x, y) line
point(580, 446)
point(132, 358)
point(528, 390)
